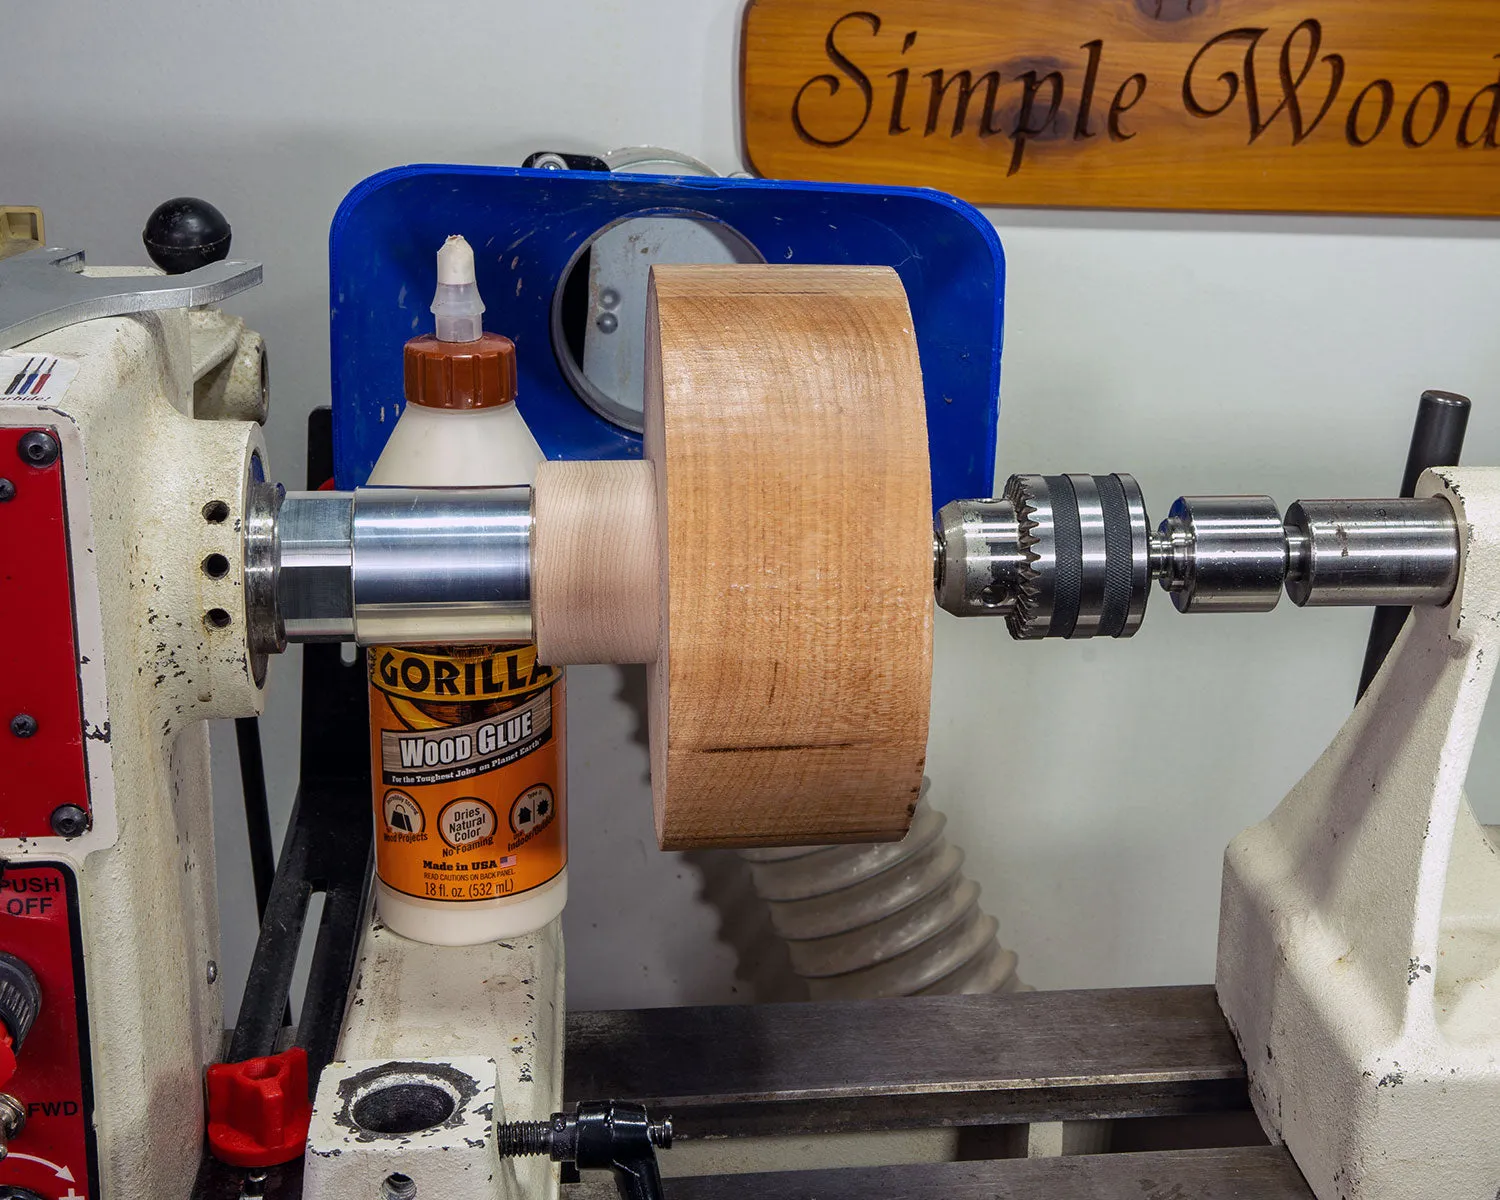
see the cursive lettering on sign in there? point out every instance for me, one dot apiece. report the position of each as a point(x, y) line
point(1288, 86)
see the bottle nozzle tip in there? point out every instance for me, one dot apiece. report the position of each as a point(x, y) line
point(455, 261)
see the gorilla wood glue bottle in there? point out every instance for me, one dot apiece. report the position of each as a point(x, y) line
point(468, 746)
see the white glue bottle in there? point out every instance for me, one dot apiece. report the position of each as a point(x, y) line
point(475, 849)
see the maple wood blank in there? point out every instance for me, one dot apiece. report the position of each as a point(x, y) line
point(594, 573)
point(786, 424)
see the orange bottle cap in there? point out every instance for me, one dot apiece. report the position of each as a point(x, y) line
point(460, 375)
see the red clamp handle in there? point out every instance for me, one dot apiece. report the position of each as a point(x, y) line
point(7, 1058)
point(258, 1110)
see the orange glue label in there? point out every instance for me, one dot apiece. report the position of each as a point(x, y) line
point(470, 771)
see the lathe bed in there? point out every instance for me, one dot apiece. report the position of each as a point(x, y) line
point(1158, 1064)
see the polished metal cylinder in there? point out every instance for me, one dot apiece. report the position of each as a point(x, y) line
point(441, 565)
point(409, 566)
point(1437, 440)
point(313, 586)
point(1343, 552)
point(1223, 554)
point(979, 557)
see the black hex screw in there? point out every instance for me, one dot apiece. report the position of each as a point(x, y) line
point(38, 449)
point(68, 820)
point(7, 490)
point(23, 725)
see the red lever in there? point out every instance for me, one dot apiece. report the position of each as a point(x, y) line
point(258, 1110)
point(7, 1058)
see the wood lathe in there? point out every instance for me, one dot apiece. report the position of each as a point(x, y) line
point(773, 558)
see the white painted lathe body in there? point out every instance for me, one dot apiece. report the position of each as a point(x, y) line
point(1359, 946)
point(162, 419)
point(139, 466)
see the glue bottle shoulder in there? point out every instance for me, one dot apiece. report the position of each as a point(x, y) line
point(447, 447)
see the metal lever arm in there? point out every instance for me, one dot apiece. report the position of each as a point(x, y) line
point(45, 289)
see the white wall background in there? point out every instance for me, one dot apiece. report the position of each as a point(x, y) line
point(1094, 785)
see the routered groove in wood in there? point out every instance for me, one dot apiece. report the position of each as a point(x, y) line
point(772, 558)
point(1377, 106)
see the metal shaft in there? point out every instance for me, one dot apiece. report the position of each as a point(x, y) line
point(410, 566)
point(1344, 552)
point(1058, 557)
point(1437, 440)
point(1222, 554)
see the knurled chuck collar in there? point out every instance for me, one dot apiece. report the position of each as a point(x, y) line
point(460, 375)
point(20, 998)
point(1057, 555)
point(1086, 545)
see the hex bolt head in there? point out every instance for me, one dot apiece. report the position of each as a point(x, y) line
point(7, 490)
point(68, 820)
point(23, 725)
point(12, 1117)
point(38, 449)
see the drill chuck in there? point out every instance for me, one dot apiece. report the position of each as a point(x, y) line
point(1073, 555)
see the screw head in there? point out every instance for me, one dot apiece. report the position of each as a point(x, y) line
point(38, 449)
point(7, 490)
point(213, 971)
point(68, 820)
point(23, 725)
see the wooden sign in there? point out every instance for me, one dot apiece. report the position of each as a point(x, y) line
point(1372, 106)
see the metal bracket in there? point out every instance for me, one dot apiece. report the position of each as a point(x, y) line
point(45, 289)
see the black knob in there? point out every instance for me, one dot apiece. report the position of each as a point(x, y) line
point(9, 1191)
point(185, 234)
point(20, 999)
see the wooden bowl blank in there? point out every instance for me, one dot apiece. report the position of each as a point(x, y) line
point(771, 558)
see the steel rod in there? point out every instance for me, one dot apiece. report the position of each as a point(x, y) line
point(1437, 440)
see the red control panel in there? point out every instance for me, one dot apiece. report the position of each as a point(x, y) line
point(44, 790)
point(54, 1154)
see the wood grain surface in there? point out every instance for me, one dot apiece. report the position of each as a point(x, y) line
point(1358, 106)
point(786, 424)
point(594, 572)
